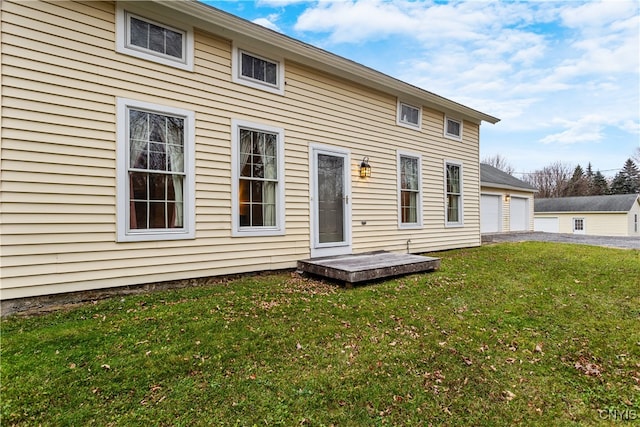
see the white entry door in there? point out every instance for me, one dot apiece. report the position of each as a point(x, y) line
point(330, 202)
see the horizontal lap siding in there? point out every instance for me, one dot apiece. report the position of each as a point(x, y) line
point(61, 77)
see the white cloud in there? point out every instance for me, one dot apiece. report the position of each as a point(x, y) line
point(268, 23)
point(353, 22)
point(566, 71)
point(598, 14)
point(586, 129)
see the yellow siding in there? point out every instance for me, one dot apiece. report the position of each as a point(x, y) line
point(61, 76)
point(596, 224)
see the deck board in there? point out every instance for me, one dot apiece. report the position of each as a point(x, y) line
point(368, 266)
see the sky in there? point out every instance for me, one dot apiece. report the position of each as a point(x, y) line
point(563, 76)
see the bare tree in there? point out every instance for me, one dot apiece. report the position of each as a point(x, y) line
point(551, 181)
point(636, 155)
point(499, 162)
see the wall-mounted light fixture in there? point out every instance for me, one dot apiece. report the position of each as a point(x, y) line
point(365, 169)
point(507, 197)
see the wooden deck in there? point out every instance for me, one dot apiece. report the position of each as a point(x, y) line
point(369, 266)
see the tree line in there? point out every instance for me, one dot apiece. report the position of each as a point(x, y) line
point(562, 180)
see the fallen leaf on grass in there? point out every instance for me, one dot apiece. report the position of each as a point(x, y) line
point(589, 369)
point(107, 367)
point(508, 396)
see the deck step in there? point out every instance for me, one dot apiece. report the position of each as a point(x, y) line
point(368, 266)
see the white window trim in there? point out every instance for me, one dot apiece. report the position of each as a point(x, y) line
point(124, 234)
point(449, 135)
point(419, 223)
point(279, 228)
point(574, 221)
point(409, 125)
point(447, 222)
point(122, 37)
point(237, 77)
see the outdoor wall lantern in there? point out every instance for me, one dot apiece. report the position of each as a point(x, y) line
point(365, 169)
point(507, 197)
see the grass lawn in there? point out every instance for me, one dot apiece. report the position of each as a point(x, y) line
point(528, 333)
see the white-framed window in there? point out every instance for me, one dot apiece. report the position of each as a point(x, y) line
point(257, 71)
point(452, 128)
point(155, 172)
point(409, 189)
point(454, 206)
point(578, 225)
point(149, 37)
point(257, 173)
point(409, 115)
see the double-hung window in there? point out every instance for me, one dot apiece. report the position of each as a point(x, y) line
point(153, 40)
point(257, 71)
point(155, 172)
point(409, 190)
point(258, 179)
point(452, 128)
point(409, 115)
point(453, 194)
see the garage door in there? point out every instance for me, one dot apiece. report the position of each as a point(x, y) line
point(548, 225)
point(519, 218)
point(489, 213)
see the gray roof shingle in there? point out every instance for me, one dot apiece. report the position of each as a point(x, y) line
point(610, 203)
point(494, 177)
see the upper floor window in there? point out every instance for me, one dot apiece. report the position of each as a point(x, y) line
point(409, 115)
point(409, 190)
point(153, 40)
point(257, 179)
point(258, 71)
point(155, 172)
point(453, 194)
point(452, 128)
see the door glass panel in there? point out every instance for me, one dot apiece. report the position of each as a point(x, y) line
point(330, 198)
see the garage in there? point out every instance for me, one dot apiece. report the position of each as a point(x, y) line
point(519, 214)
point(490, 213)
point(548, 224)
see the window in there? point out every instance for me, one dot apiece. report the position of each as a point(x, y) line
point(258, 71)
point(155, 172)
point(453, 193)
point(152, 40)
point(410, 190)
point(452, 128)
point(635, 223)
point(409, 115)
point(258, 179)
point(578, 225)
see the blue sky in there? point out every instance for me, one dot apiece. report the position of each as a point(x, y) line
point(563, 76)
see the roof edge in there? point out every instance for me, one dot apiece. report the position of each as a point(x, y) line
point(507, 187)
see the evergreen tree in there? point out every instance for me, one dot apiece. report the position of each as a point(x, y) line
point(578, 184)
point(600, 186)
point(589, 172)
point(626, 181)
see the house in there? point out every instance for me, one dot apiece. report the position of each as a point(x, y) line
point(506, 203)
point(154, 141)
point(611, 215)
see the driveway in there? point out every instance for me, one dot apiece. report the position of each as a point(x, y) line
point(609, 241)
